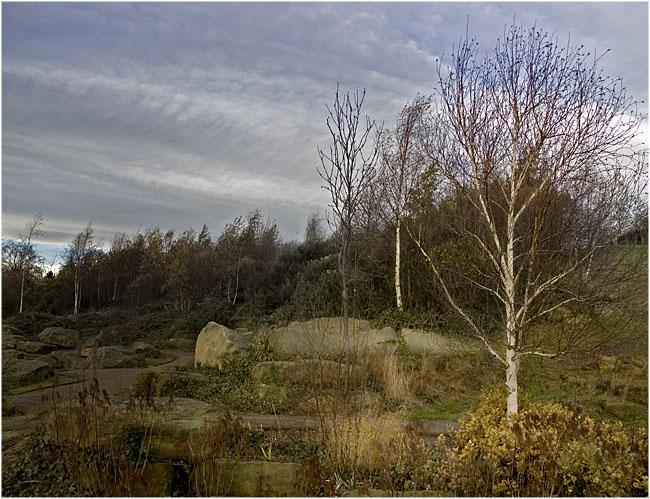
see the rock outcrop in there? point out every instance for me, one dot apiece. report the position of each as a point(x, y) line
point(324, 337)
point(70, 360)
point(21, 372)
point(11, 340)
point(145, 349)
point(60, 336)
point(419, 341)
point(225, 477)
point(217, 343)
point(635, 365)
point(88, 347)
point(115, 356)
point(36, 347)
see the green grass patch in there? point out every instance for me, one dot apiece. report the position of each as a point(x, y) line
point(55, 380)
point(157, 362)
point(449, 408)
point(588, 390)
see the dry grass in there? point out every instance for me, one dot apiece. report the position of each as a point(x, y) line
point(358, 443)
point(392, 377)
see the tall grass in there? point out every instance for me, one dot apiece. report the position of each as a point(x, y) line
point(86, 448)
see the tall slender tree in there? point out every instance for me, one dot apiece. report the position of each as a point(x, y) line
point(75, 256)
point(403, 160)
point(347, 168)
point(22, 256)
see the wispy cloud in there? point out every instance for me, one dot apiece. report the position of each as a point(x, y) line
point(137, 115)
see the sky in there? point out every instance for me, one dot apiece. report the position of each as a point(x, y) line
point(176, 115)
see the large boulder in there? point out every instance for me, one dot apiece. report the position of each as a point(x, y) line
point(48, 358)
point(60, 336)
point(608, 363)
point(633, 366)
point(145, 349)
point(419, 341)
point(11, 340)
point(174, 431)
point(217, 343)
point(12, 353)
point(70, 360)
point(21, 372)
point(115, 356)
point(36, 347)
point(225, 477)
point(324, 337)
point(89, 346)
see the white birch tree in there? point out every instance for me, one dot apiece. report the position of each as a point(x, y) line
point(22, 256)
point(403, 159)
point(76, 254)
point(539, 147)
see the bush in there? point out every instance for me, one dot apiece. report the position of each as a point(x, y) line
point(543, 450)
point(400, 319)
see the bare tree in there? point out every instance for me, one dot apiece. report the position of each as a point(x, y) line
point(75, 255)
point(22, 256)
point(537, 148)
point(314, 231)
point(346, 171)
point(117, 258)
point(403, 158)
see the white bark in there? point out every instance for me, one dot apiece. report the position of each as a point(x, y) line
point(22, 290)
point(398, 287)
point(512, 386)
point(77, 289)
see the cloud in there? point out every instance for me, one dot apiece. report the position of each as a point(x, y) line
point(175, 115)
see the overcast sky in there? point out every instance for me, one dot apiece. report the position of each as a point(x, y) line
point(177, 115)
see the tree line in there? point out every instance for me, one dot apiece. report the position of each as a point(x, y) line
point(247, 265)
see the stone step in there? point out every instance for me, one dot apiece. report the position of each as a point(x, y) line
point(310, 423)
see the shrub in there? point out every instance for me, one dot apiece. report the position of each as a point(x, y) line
point(400, 319)
point(543, 450)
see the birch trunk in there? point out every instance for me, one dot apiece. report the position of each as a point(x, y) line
point(76, 295)
point(344, 302)
point(509, 284)
point(398, 286)
point(22, 290)
point(512, 385)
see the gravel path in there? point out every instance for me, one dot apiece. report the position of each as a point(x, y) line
point(114, 381)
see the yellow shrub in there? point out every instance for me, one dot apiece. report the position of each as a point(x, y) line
point(543, 450)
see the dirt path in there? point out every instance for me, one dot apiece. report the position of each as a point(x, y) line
point(114, 381)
